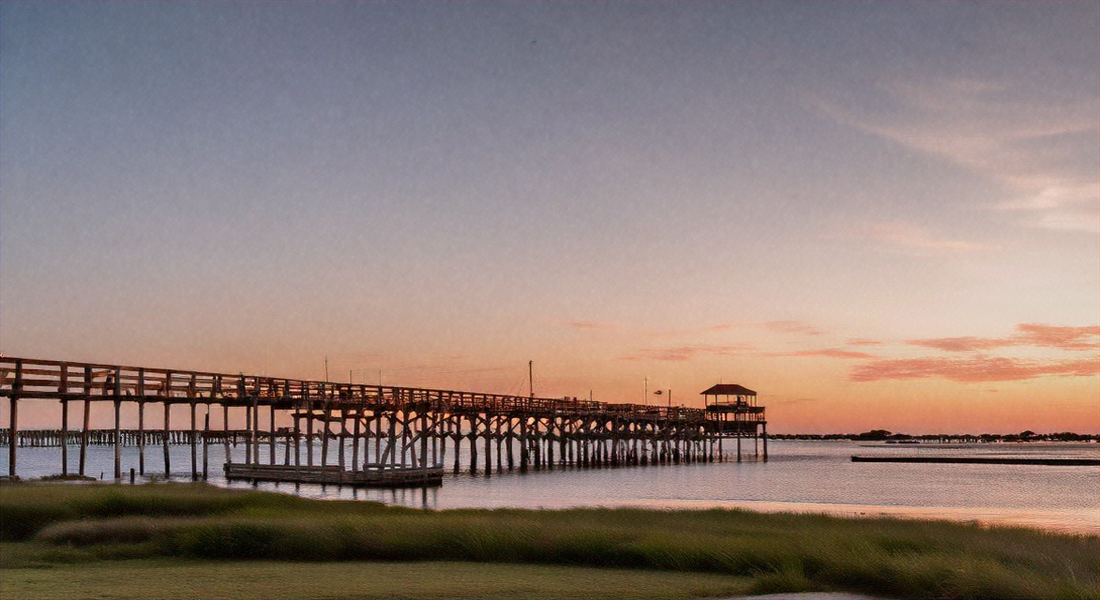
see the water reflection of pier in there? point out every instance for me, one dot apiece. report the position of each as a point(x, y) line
point(385, 428)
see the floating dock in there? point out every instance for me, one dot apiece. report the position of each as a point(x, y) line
point(373, 476)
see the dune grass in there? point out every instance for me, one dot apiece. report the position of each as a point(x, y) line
point(65, 524)
point(170, 578)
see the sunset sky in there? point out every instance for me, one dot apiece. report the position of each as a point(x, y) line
point(877, 215)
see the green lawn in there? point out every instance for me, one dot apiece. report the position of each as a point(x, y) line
point(163, 540)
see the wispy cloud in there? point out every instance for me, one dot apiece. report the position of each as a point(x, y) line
point(666, 333)
point(863, 342)
point(976, 369)
point(793, 326)
point(687, 352)
point(1039, 144)
point(910, 237)
point(1030, 334)
point(826, 352)
point(592, 326)
point(1065, 338)
point(790, 401)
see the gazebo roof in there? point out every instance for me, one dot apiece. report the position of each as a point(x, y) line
point(728, 389)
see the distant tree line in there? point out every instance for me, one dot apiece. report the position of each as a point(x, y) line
point(882, 435)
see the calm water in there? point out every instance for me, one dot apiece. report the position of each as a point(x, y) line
point(800, 476)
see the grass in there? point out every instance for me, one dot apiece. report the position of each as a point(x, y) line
point(48, 530)
point(174, 579)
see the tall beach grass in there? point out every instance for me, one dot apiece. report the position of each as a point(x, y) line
point(780, 552)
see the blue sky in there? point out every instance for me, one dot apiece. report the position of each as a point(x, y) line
point(787, 195)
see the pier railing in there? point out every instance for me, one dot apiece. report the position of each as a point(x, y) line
point(48, 379)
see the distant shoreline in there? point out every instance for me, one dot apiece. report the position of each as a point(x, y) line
point(962, 438)
point(981, 460)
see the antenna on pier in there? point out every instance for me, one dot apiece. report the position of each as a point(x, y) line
point(326, 368)
point(531, 378)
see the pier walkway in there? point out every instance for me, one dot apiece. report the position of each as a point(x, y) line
point(398, 428)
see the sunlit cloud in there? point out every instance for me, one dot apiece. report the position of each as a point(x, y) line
point(793, 326)
point(960, 344)
point(687, 352)
point(976, 369)
point(826, 352)
point(863, 342)
point(790, 401)
point(1065, 338)
point(1030, 334)
point(592, 326)
point(695, 330)
point(1041, 148)
point(911, 237)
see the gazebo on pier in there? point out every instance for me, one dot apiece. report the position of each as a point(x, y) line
point(733, 410)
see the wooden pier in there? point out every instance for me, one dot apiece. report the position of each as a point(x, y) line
point(385, 428)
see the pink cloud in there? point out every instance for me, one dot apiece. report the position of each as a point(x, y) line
point(827, 352)
point(683, 353)
point(1031, 334)
point(960, 344)
point(793, 326)
point(863, 342)
point(1065, 338)
point(591, 325)
point(973, 369)
point(913, 237)
point(694, 331)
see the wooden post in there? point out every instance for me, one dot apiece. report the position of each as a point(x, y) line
point(63, 391)
point(141, 434)
point(443, 423)
point(271, 439)
point(87, 417)
point(255, 430)
point(167, 432)
point(508, 437)
point(309, 435)
point(343, 429)
point(456, 426)
point(297, 439)
point(550, 442)
point(765, 435)
point(405, 446)
point(118, 437)
point(206, 444)
point(499, 435)
point(523, 444)
point(194, 448)
point(225, 425)
point(64, 437)
point(13, 415)
point(355, 441)
point(391, 444)
point(324, 432)
point(194, 430)
point(488, 447)
point(378, 430)
point(248, 428)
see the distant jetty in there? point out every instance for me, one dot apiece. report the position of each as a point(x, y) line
point(981, 460)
